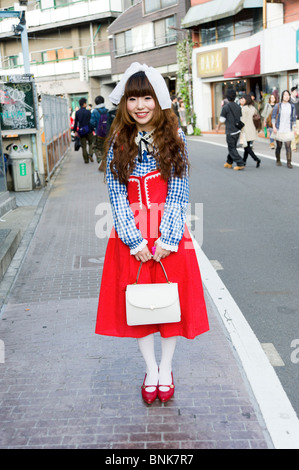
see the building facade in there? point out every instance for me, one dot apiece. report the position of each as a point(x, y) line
point(248, 45)
point(69, 57)
point(68, 46)
point(148, 32)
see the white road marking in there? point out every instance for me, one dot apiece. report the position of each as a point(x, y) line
point(272, 354)
point(216, 265)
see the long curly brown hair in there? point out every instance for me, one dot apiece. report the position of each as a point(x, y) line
point(169, 148)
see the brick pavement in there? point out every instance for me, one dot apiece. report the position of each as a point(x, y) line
point(62, 386)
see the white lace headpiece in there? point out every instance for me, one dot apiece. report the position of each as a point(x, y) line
point(155, 78)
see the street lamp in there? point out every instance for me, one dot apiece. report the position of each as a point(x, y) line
point(189, 68)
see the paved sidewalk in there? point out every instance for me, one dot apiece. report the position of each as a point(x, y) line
point(62, 386)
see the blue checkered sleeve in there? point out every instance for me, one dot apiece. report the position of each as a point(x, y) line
point(173, 221)
point(123, 216)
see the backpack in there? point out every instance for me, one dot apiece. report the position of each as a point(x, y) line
point(102, 125)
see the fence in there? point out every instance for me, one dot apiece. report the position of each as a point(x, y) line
point(57, 136)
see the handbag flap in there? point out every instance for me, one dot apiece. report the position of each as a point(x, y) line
point(152, 296)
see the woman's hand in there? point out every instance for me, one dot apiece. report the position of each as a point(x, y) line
point(144, 255)
point(274, 129)
point(160, 253)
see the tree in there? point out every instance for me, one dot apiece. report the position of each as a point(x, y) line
point(184, 76)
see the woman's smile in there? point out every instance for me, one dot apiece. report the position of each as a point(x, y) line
point(141, 109)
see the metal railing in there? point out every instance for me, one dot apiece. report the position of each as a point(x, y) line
point(56, 125)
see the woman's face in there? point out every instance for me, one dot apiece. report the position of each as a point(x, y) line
point(242, 101)
point(141, 109)
point(285, 96)
point(272, 99)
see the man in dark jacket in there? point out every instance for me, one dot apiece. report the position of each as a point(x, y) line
point(99, 141)
point(83, 129)
point(230, 114)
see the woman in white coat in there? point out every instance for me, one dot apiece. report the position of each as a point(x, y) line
point(249, 132)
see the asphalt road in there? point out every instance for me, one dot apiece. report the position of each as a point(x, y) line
point(251, 234)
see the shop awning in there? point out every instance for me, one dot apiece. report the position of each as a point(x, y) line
point(216, 10)
point(247, 63)
point(211, 11)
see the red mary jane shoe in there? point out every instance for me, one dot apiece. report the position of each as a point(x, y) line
point(149, 397)
point(165, 396)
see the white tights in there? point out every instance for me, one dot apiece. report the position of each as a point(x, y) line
point(155, 374)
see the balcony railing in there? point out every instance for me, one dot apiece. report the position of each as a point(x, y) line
point(38, 18)
point(96, 63)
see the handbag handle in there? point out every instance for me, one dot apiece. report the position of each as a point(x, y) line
point(139, 269)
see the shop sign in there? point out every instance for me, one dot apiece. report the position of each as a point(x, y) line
point(212, 63)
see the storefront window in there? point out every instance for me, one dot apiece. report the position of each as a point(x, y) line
point(225, 30)
point(293, 80)
point(270, 84)
point(244, 24)
point(208, 35)
point(244, 28)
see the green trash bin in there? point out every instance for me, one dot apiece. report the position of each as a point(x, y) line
point(22, 168)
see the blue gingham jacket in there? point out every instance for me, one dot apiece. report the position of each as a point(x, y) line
point(173, 220)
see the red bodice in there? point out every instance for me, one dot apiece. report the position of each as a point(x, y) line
point(147, 195)
point(144, 191)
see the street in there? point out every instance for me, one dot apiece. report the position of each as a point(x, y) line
point(62, 386)
point(65, 387)
point(250, 228)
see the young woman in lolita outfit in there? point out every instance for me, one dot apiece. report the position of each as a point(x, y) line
point(147, 166)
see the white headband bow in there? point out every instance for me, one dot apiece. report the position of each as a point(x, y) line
point(155, 79)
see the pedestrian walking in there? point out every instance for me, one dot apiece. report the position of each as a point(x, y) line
point(111, 115)
point(231, 116)
point(147, 168)
point(175, 107)
point(267, 115)
point(83, 129)
point(182, 114)
point(249, 131)
point(295, 101)
point(98, 122)
point(284, 125)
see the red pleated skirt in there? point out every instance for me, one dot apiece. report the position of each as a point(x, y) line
point(120, 269)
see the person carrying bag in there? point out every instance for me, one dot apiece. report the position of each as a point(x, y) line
point(148, 185)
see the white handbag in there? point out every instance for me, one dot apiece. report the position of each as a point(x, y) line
point(148, 304)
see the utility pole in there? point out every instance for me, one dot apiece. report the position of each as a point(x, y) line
point(20, 29)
